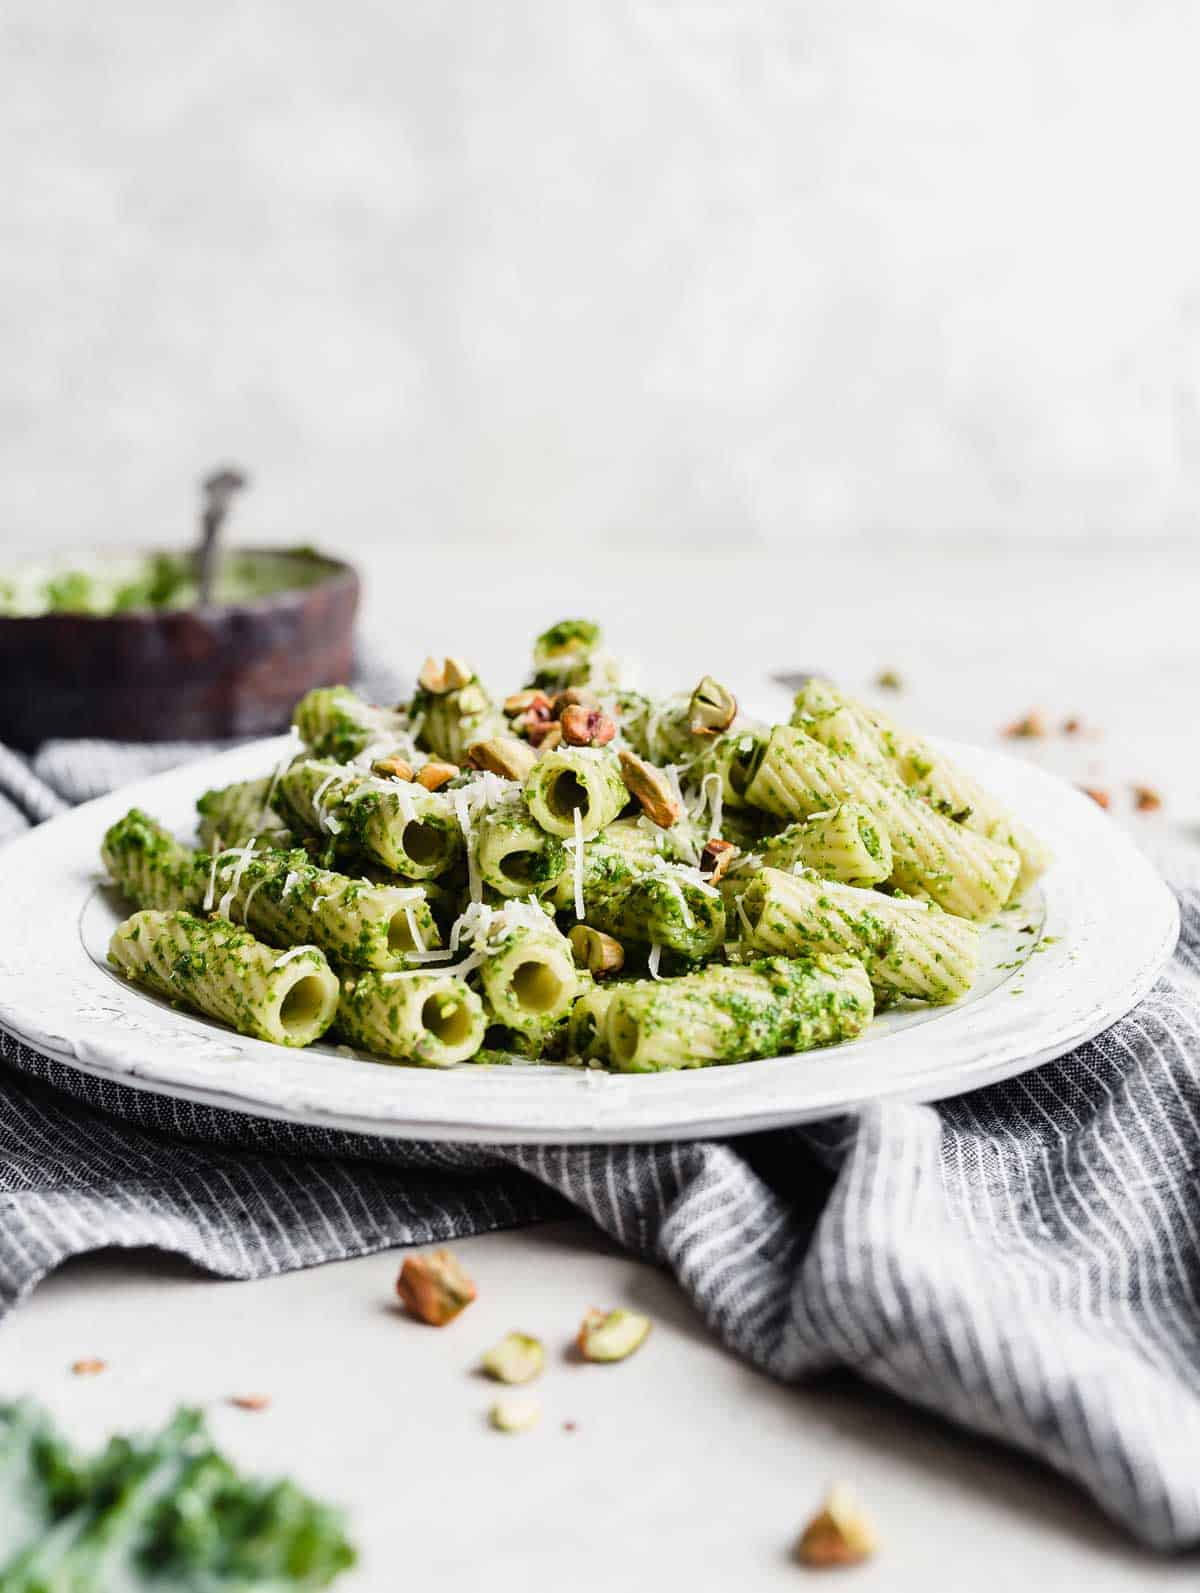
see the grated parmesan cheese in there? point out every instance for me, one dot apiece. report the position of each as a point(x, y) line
point(243, 855)
point(716, 801)
point(211, 892)
point(462, 811)
point(414, 929)
point(318, 811)
point(250, 895)
point(459, 970)
point(288, 955)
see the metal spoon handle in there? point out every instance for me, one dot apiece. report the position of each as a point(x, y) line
point(219, 489)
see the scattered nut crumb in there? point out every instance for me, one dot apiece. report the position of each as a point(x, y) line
point(434, 1287)
point(570, 1427)
point(839, 1534)
point(889, 680)
point(1146, 799)
point(518, 1358)
point(611, 1335)
point(89, 1367)
point(1072, 726)
point(250, 1401)
point(1031, 728)
point(1098, 795)
point(516, 1414)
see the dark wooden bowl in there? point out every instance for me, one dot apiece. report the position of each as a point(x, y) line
point(197, 674)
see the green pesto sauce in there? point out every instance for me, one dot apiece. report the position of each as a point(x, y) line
point(153, 581)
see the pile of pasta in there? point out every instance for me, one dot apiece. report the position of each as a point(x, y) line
point(576, 872)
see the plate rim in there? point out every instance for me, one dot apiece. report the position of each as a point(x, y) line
point(713, 1102)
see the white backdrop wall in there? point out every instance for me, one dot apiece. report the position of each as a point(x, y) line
point(638, 271)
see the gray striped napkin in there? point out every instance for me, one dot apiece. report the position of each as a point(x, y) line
point(1025, 1260)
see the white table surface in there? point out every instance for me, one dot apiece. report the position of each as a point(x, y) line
point(687, 1469)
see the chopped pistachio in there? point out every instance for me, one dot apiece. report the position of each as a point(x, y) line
point(611, 1335)
point(502, 755)
point(712, 708)
point(518, 1358)
point(839, 1534)
point(433, 775)
point(434, 1287)
point(594, 950)
point(652, 789)
point(393, 768)
point(515, 1414)
point(450, 675)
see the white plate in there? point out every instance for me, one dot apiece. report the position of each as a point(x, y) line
point(1103, 925)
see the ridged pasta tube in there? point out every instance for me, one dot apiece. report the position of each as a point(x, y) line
point(428, 1018)
point(587, 1035)
point(667, 906)
point(407, 829)
point(910, 948)
point(335, 722)
point(733, 1014)
point(286, 899)
point(586, 780)
point(149, 865)
point(516, 856)
point(876, 741)
point(965, 873)
point(232, 814)
point(657, 727)
point(452, 720)
point(731, 760)
point(605, 870)
point(289, 997)
point(528, 971)
point(847, 844)
point(568, 654)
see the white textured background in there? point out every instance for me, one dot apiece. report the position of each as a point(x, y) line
point(623, 272)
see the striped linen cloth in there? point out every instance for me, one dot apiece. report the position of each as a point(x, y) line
point(1025, 1260)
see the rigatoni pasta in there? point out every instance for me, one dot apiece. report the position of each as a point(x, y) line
point(405, 877)
point(288, 997)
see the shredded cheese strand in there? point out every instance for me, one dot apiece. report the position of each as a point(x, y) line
point(211, 893)
point(287, 956)
point(414, 929)
point(243, 855)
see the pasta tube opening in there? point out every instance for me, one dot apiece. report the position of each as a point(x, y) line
point(565, 793)
point(449, 1020)
point(538, 987)
point(624, 1036)
point(304, 1010)
point(424, 844)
